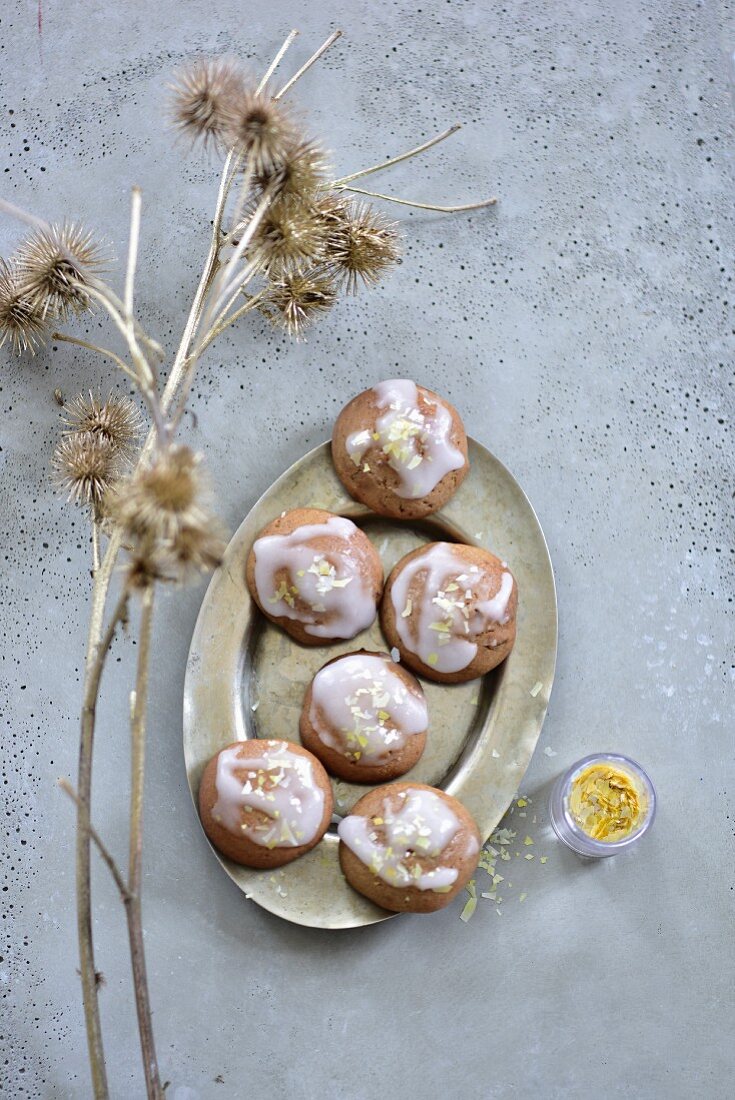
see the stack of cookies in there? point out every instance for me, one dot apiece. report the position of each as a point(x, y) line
point(448, 614)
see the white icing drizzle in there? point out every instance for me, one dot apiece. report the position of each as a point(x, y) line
point(416, 444)
point(362, 708)
point(280, 784)
point(441, 627)
point(392, 842)
point(327, 585)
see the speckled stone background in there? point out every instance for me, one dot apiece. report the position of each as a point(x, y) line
point(585, 329)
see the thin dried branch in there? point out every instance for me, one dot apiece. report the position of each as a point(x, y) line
point(99, 844)
point(276, 60)
point(133, 906)
point(95, 546)
point(22, 215)
point(98, 644)
point(403, 156)
point(66, 338)
point(422, 205)
point(136, 201)
point(307, 65)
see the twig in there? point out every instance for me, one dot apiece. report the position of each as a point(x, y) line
point(225, 322)
point(98, 643)
point(422, 205)
point(144, 378)
point(133, 907)
point(66, 339)
point(307, 65)
point(276, 61)
point(136, 199)
point(403, 156)
point(99, 844)
point(23, 215)
point(224, 289)
point(95, 545)
point(238, 282)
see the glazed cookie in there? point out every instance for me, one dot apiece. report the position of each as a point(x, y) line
point(265, 803)
point(400, 449)
point(316, 575)
point(408, 847)
point(365, 718)
point(450, 610)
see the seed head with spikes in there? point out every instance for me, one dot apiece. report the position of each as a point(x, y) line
point(53, 266)
point(115, 419)
point(203, 95)
point(299, 298)
point(21, 322)
point(86, 466)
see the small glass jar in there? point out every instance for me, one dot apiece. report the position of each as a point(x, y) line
point(567, 829)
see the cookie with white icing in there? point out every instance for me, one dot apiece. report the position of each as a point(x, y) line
point(265, 803)
point(315, 574)
point(450, 610)
point(408, 847)
point(400, 449)
point(365, 717)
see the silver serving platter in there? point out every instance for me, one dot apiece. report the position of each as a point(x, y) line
point(246, 678)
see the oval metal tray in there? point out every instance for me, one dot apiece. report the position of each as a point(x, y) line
point(246, 678)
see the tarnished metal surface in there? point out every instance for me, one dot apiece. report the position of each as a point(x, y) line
point(246, 678)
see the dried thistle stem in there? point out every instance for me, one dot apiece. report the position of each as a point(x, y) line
point(136, 201)
point(307, 65)
point(421, 205)
point(105, 352)
point(143, 376)
point(402, 156)
point(133, 902)
point(67, 788)
point(97, 646)
point(95, 547)
point(276, 61)
point(24, 215)
point(231, 319)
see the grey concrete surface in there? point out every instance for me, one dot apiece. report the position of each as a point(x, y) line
point(584, 327)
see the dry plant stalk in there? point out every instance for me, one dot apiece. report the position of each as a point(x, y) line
point(285, 241)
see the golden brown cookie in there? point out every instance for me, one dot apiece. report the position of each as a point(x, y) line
point(450, 610)
point(315, 574)
point(365, 717)
point(400, 449)
point(265, 803)
point(408, 847)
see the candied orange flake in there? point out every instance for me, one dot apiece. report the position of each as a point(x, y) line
point(606, 802)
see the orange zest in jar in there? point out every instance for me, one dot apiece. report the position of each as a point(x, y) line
point(607, 803)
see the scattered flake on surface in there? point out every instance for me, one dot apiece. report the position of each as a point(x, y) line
point(495, 754)
point(536, 688)
point(469, 908)
point(395, 655)
point(471, 903)
point(528, 840)
point(255, 705)
point(548, 751)
point(544, 859)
